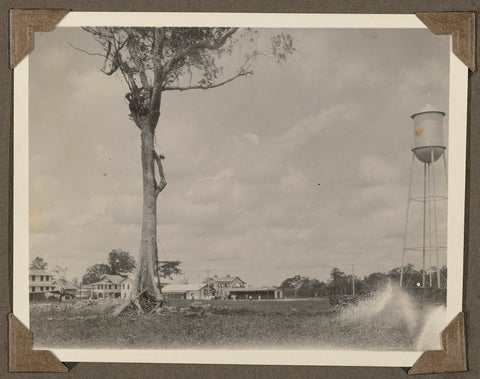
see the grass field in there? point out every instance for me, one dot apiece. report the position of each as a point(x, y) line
point(216, 323)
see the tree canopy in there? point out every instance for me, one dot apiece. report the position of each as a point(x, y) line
point(60, 272)
point(120, 261)
point(95, 273)
point(302, 286)
point(169, 269)
point(155, 60)
point(38, 264)
point(340, 283)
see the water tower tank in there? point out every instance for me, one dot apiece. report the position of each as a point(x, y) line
point(428, 134)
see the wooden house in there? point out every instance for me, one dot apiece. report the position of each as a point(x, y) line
point(188, 291)
point(223, 284)
point(40, 284)
point(107, 287)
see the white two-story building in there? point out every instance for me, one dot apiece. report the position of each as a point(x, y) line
point(112, 286)
point(40, 283)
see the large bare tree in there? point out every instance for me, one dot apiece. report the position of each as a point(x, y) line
point(153, 61)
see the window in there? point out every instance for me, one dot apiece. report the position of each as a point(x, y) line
point(115, 286)
point(41, 278)
point(41, 288)
point(128, 286)
point(46, 278)
point(33, 289)
point(123, 286)
point(33, 278)
point(109, 286)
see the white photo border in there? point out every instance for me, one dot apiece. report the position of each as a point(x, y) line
point(456, 185)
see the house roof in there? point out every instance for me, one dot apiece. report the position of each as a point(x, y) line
point(130, 275)
point(225, 279)
point(113, 279)
point(127, 279)
point(39, 272)
point(65, 284)
point(183, 287)
point(252, 289)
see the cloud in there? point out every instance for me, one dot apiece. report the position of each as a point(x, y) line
point(210, 188)
point(293, 181)
point(252, 138)
point(291, 171)
point(57, 57)
point(375, 170)
point(309, 126)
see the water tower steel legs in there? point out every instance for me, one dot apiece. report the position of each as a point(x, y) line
point(429, 216)
point(435, 218)
point(429, 195)
point(406, 220)
point(424, 220)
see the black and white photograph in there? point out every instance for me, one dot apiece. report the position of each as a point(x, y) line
point(226, 189)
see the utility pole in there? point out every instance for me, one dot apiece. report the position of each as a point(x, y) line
point(353, 279)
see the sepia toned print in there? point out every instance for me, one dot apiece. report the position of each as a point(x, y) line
point(238, 188)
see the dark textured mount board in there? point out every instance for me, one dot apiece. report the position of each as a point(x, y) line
point(457, 18)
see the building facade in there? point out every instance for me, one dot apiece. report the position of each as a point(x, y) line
point(108, 287)
point(223, 285)
point(84, 291)
point(40, 284)
point(188, 291)
point(65, 288)
point(126, 287)
point(257, 293)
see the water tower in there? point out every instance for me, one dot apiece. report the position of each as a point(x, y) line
point(425, 227)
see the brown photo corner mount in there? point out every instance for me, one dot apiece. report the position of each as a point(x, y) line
point(22, 358)
point(23, 24)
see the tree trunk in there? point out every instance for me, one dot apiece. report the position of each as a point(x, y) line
point(145, 293)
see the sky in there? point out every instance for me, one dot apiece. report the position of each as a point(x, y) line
point(296, 169)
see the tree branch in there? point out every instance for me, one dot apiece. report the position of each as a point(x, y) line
point(158, 45)
point(137, 61)
point(198, 46)
point(163, 182)
point(84, 51)
point(208, 86)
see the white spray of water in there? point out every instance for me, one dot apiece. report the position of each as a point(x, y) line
point(409, 310)
point(430, 336)
point(387, 308)
point(391, 310)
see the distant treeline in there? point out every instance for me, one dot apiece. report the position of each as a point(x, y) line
point(341, 284)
